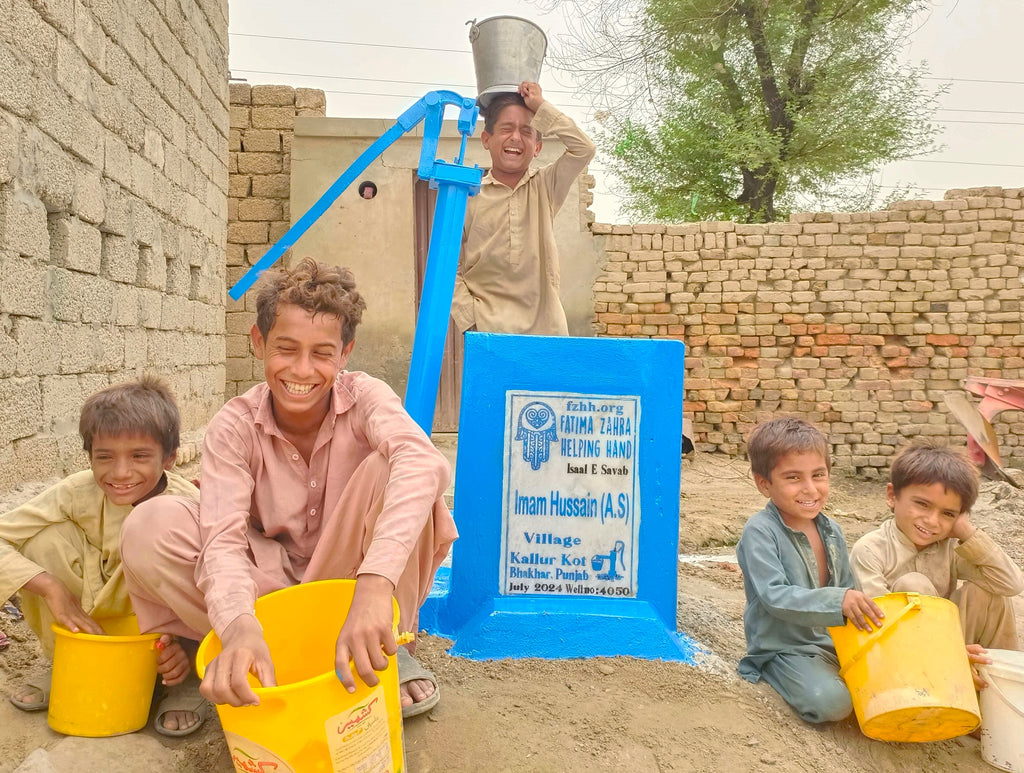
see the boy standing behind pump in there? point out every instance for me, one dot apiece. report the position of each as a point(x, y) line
point(508, 276)
point(930, 544)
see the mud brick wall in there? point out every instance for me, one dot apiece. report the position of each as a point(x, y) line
point(262, 125)
point(859, 322)
point(113, 209)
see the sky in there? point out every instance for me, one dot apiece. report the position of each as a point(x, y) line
point(374, 59)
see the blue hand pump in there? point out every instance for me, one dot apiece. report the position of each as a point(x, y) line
point(454, 183)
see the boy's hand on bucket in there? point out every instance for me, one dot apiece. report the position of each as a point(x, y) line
point(367, 636)
point(978, 655)
point(171, 661)
point(244, 650)
point(531, 94)
point(859, 609)
point(63, 604)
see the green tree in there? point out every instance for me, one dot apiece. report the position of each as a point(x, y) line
point(736, 109)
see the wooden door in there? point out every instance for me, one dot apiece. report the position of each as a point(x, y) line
point(446, 414)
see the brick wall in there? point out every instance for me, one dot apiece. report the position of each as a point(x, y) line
point(859, 322)
point(113, 200)
point(262, 124)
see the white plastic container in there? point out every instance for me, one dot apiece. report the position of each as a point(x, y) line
point(1002, 711)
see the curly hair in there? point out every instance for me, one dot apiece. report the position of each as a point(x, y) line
point(925, 462)
point(143, 407)
point(315, 287)
point(770, 441)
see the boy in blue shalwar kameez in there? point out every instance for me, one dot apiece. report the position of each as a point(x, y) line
point(796, 574)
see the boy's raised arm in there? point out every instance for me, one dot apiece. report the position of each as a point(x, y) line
point(980, 560)
point(579, 151)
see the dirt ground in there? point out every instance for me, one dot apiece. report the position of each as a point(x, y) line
point(621, 714)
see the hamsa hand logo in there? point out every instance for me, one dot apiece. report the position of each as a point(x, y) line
point(537, 430)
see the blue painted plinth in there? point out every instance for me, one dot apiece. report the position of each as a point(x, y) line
point(566, 501)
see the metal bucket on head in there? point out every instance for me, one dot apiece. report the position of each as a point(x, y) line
point(507, 50)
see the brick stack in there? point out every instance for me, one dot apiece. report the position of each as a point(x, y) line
point(262, 124)
point(113, 203)
point(859, 322)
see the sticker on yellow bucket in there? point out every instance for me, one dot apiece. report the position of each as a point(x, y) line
point(359, 738)
point(249, 757)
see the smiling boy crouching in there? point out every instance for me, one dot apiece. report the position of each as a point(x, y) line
point(796, 574)
point(930, 545)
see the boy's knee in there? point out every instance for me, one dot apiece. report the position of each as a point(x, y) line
point(914, 582)
point(151, 525)
point(825, 701)
point(65, 539)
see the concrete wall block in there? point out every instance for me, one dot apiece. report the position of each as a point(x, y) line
point(88, 195)
point(135, 348)
point(17, 83)
point(239, 117)
point(23, 224)
point(48, 170)
point(260, 209)
point(314, 99)
point(117, 161)
point(21, 408)
point(247, 233)
point(120, 259)
point(35, 39)
point(72, 71)
point(90, 37)
point(239, 185)
point(36, 456)
point(240, 93)
point(75, 244)
point(259, 163)
point(10, 153)
point(150, 307)
point(262, 141)
point(8, 348)
point(272, 186)
point(24, 286)
point(61, 403)
point(37, 352)
point(273, 95)
point(87, 135)
point(79, 348)
point(125, 305)
point(273, 118)
point(152, 268)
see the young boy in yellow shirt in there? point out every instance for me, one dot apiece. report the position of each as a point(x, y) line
point(62, 548)
point(930, 545)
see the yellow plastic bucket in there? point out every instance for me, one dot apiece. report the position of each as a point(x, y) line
point(309, 723)
point(102, 685)
point(910, 680)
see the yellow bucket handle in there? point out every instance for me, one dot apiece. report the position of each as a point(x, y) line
point(913, 602)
